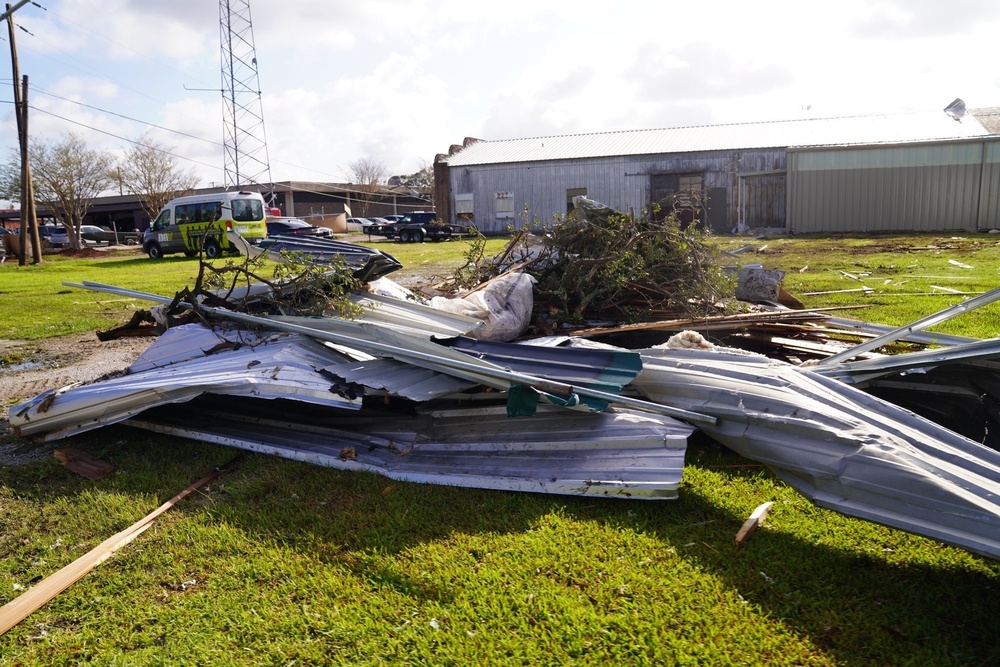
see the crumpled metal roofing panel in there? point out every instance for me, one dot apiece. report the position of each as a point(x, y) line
point(618, 453)
point(389, 311)
point(367, 263)
point(399, 379)
point(837, 445)
point(275, 367)
point(601, 368)
point(980, 352)
point(872, 129)
point(196, 341)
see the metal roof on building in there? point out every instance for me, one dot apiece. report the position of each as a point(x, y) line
point(884, 128)
point(989, 117)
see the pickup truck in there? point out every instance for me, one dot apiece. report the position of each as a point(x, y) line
point(101, 235)
point(416, 227)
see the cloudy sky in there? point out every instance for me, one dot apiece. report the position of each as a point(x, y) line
point(399, 81)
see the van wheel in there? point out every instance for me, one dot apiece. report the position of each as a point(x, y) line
point(418, 236)
point(155, 251)
point(212, 249)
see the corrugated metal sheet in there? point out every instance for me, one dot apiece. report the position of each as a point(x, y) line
point(885, 128)
point(399, 379)
point(838, 446)
point(421, 351)
point(183, 365)
point(615, 454)
point(858, 373)
point(367, 263)
point(989, 195)
point(923, 187)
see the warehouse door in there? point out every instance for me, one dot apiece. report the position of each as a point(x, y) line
point(681, 194)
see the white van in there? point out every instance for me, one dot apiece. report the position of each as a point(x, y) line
point(190, 224)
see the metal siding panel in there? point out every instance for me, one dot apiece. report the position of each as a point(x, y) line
point(989, 216)
point(919, 188)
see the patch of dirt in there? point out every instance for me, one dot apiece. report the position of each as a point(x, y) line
point(54, 363)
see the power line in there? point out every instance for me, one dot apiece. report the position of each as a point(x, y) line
point(344, 190)
point(116, 136)
point(160, 127)
point(134, 120)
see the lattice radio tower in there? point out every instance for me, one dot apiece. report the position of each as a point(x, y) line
point(246, 160)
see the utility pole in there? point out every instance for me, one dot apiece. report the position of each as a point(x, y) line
point(27, 186)
point(29, 228)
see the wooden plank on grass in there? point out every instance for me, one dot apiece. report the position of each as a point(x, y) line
point(82, 463)
point(28, 602)
point(751, 524)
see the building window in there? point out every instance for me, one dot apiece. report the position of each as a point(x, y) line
point(689, 190)
point(464, 209)
point(573, 192)
point(680, 194)
point(503, 206)
point(463, 204)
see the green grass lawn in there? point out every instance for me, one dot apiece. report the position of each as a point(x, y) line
point(283, 563)
point(34, 303)
point(909, 276)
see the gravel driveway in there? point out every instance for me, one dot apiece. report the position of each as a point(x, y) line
point(49, 364)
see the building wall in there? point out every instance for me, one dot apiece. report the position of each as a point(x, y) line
point(538, 190)
point(922, 187)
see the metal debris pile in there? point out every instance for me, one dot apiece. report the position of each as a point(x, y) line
point(418, 393)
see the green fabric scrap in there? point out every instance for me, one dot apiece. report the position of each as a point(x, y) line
point(521, 401)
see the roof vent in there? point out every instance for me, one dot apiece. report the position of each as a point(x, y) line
point(956, 109)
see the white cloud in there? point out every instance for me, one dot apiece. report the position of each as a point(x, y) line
point(400, 82)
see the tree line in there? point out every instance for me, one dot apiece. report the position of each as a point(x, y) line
point(68, 175)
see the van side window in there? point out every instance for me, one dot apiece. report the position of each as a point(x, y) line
point(211, 211)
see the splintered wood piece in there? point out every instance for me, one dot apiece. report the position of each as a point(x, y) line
point(25, 604)
point(751, 524)
point(82, 463)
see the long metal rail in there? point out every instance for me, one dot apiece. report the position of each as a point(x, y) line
point(479, 368)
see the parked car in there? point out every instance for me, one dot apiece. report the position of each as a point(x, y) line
point(295, 227)
point(45, 231)
point(359, 224)
point(392, 218)
point(89, 234)
point(58, 236)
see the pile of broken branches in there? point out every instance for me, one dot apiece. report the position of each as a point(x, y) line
point(601, 264)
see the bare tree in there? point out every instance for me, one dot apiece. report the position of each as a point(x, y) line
point(67, 177)
point(368, 175)
point(149, 172)
point(422, 178)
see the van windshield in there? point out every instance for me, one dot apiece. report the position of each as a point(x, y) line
point(247, 210)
